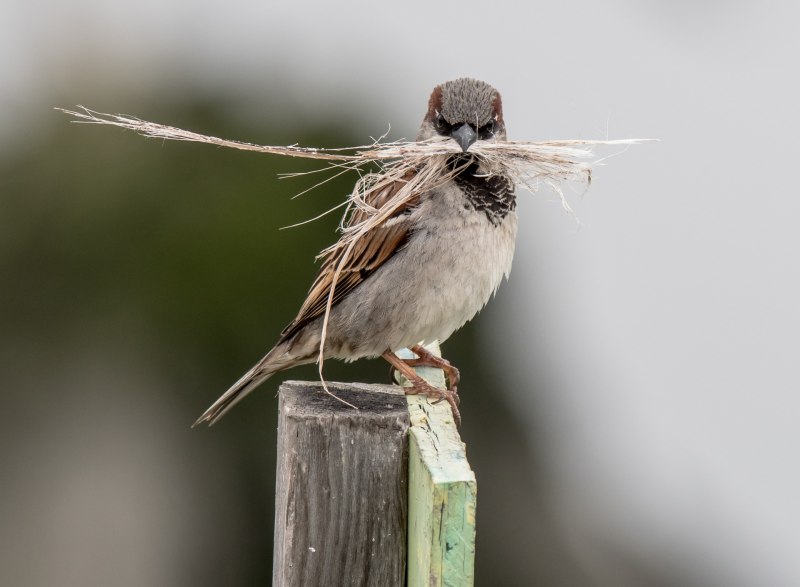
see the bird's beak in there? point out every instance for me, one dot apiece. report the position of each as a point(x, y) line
point(464, 135)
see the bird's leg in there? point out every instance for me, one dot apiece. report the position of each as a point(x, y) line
point(428, 359)
point(420, 386)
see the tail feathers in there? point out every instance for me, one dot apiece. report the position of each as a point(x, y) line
point(230, 398)
point(276, 360)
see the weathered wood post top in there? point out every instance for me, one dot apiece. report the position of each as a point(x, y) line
point(380, 496)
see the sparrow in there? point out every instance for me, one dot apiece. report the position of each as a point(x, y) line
point(419, 275)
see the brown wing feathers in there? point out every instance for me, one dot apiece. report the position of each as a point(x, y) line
point(369, 253)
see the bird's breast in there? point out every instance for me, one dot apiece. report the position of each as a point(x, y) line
point(453, 261)
point(464, 246)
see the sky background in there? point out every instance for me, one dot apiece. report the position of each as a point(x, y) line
point(642, 367)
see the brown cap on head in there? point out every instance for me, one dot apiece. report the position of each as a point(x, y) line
point(465, 100)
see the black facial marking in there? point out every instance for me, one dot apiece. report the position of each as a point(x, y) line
point(493, 195)
point(486, 132)
point(443, 127)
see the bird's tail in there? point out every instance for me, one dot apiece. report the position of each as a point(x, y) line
point(276, 360)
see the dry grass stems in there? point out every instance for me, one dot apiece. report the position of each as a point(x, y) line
point(527, 163)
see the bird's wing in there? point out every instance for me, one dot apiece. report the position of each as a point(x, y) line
point(368, 253)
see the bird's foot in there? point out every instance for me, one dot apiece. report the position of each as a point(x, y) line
point(428, 359)
point(421, 387)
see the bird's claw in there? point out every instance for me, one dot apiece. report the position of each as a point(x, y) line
point(422, 387)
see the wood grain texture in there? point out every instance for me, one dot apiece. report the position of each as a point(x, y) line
point(342, 486)
point(442, 493)
point(441, 501)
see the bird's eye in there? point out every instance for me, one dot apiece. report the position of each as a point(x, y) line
point(442, 126)
point(486, 131)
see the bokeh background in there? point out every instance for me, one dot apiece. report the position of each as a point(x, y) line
point(630, 397)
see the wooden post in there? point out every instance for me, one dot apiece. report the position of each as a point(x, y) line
point(342, 486)
point(442, 494)
point(357, 489)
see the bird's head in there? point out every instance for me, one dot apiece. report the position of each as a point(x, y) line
point(465, 110)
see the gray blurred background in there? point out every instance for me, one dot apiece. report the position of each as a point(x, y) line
point(630, 397)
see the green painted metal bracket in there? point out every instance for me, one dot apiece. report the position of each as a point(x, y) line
point(442, 493)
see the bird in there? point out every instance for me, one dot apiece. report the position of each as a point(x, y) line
point(420, 274)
